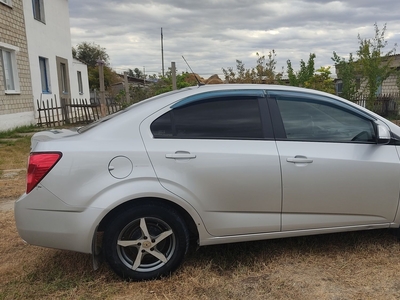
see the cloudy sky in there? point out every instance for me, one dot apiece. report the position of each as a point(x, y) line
point(212, 34)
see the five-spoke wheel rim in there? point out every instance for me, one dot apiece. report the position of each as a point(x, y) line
point(146, 244)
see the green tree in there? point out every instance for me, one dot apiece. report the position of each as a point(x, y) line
point(374, 64)
point(305, 73)
point(263, 72)
point(347, 73)
point(164, 83)
point(308, 77)
point(241, 75)
point(110, 77)
point(90, 53)
point(136, 73)
point(265, 68)
point(321, 80)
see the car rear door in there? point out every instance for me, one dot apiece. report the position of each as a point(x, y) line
point(333, 172)
point(216, 151)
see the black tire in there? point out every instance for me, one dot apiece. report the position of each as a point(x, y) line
point(135, 256)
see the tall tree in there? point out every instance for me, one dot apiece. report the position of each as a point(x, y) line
point(110, 77)
point(91, 53)
point(136, 73)
point(265, 68)
point(263, 72)
point(241, 75)
point(305, 73)
point(321, 80)
point(371, 64)
point(347, 73)
point(375, 65)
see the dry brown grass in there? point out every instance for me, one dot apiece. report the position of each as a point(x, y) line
point(13, 160)
point(360, 265)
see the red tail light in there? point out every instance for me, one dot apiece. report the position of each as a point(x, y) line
point(39, 165)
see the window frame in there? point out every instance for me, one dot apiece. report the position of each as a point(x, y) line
point(80, 83)
point(12, 50)
point(64, 80)
point(339, 87)
point(46, 75)
point(6, 2)
point(38, 12)
point(265, 123)
point(278, 123)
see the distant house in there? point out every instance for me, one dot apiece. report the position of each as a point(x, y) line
point(36, 59)
point(16, 98)
point(132, 81)
point(388, 86)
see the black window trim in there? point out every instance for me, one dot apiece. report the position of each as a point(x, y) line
point(277, 121)
point(266, 124)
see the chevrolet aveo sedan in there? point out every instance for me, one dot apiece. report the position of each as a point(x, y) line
point(210, 165)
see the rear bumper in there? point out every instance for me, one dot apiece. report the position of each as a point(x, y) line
point(63, 228)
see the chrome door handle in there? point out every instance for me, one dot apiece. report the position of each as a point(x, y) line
point(299, 159)
point(180, 155)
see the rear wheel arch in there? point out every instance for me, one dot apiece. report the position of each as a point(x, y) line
point(189, 222)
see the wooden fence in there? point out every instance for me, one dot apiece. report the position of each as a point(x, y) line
point(384, 105)
point(71, 111)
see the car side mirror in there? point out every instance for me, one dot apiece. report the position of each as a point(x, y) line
point(383, 135)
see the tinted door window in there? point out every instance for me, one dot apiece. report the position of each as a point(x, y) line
point(225, 118)
point(319, 121)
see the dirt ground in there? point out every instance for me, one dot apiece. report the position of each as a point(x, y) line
point(12, 185)
point(6, 205)
point(356, 265)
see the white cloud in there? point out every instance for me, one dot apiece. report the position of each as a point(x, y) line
point(212, 34)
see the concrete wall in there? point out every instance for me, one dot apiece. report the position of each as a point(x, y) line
point(51, 39)
point(15, 109)
point(389, 85)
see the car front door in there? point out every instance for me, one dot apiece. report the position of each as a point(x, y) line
point(217, 152)
point(333, 172)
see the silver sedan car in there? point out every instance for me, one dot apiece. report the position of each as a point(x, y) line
point(210, 165)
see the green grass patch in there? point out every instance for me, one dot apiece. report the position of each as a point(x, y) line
point(14, 154)
point(14, 133)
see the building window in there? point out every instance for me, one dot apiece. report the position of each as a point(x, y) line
point(64, 83)
point(38, 10)
point(44, 74)
point(339, 87)
point(8, 2)
point(9, 63)
point(80, 86)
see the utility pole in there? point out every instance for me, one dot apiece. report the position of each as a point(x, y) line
point(162, 52)
point(100, 63)
point(126, 83)
point(173, 70)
